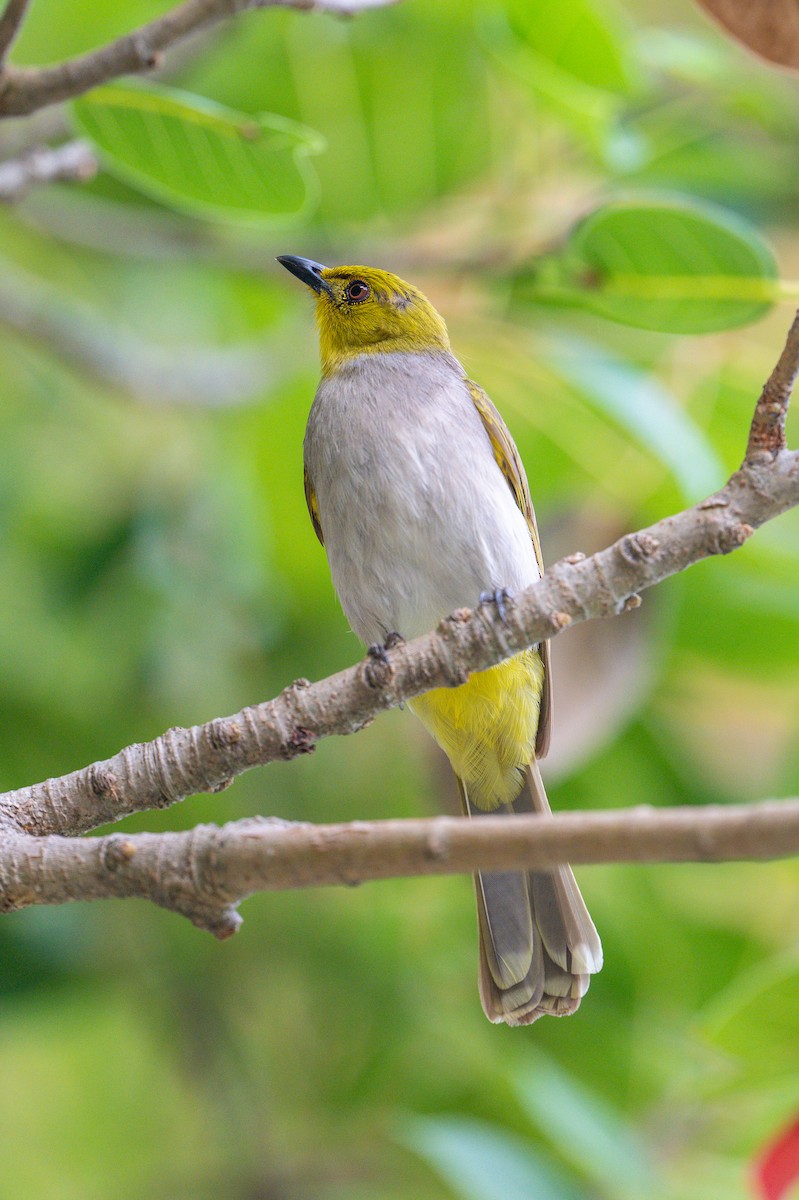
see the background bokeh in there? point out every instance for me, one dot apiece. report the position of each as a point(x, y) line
point(157, 567)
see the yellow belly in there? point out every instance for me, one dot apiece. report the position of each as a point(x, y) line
point(487, 727)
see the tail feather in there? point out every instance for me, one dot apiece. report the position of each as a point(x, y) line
point(505, 916)
point(538, 945)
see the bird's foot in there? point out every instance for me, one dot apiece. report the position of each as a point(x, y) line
point(379, 651)
point(500, 597)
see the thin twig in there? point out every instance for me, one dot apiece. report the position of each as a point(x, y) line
point(73, 162)
point(195, 375)
point(10, 25)
point(767, 432)
point(25, 89)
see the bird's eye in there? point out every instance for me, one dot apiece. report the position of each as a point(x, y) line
point(357, 291)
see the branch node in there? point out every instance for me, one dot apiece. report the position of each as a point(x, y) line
point(637, 547)
point(633, 601)
point(300, 741)
point(117, 852)
point(103, 782)
point(717, 501)
point(573, 559)
point(560, 620)
point(450, 630)
point(223, 733)
point(226, 928)
point(760, 457)
point(459, 617)
point(438, 844)
point(147, 57)
point(221, 922)
point(377, 672)
point(733, 537)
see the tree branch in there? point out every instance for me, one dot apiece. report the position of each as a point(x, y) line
point(204, 873)
point(184, 761)
point(10, 25)
point(23, 90)
point(767, 431)
point(72, 162)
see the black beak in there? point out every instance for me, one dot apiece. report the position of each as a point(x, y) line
point(307, 272)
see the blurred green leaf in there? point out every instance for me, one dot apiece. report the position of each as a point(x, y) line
point(481, 1162)
point(400, 130)
point(194, 155)
point(578, 36)
point(753, 1020)
point(590, 109)
point(587, 1131)
point(673, 265)
point(642, 406)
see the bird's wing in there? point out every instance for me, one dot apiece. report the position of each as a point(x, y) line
point(313, 507)
point(509, 463)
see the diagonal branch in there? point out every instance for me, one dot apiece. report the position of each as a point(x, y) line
point(185, 761)
point(25, 89)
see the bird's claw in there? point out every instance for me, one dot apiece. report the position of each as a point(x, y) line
point(499, 597)
point(378, 651)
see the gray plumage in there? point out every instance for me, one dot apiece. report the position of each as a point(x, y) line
point(418, 520)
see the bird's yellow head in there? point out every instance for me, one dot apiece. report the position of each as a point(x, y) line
point(361, 310)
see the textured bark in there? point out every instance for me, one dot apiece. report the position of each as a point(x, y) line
point(184, 761)
point(205, 872)
point(24, 90)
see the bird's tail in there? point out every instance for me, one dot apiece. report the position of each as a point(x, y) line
point(538, 945)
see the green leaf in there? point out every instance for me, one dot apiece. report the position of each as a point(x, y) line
point(200, 157)
point(753, 1021)
point(481, 1162)
point(586, 1131)
point(578, 37)
point(643, 407)
point(665, 264)
point(581, 89)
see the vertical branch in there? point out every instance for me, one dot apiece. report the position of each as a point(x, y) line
point(10, 25)
point(767, 432)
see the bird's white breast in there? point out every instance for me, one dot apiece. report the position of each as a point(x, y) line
point(416, 515)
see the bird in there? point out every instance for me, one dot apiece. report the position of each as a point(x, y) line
point(418, 495)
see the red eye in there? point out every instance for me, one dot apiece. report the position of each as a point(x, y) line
point(357, 291)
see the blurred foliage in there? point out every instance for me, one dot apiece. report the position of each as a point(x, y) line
point(157, 567)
